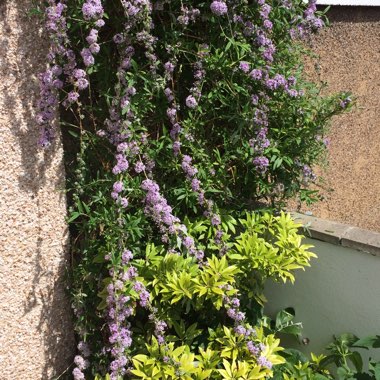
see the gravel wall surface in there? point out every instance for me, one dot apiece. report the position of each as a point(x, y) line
point(350, 60)
point(36, 338)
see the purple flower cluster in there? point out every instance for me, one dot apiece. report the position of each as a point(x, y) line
point(191, 102)
point(199, 75)
point(159, 331)
point(264, 362)
point(116, 194)
point(256, 74)
point(143, 293)
point(244, 66)
point(308, 174)
point(261, 117)
point(260, 142)
point(253, 348)
point(81, 362)
point(278, 81)
point(313, 22)
point(219, 8)
point(191, 172)
point(309, 23)
point(188, 15)
point(93, 11)
point(157, 208)
point(171, 112)
point(47, 104)
point(50, 81)
point(261, 164)
point(266, 43)
point(119, 308)
point(232, 305)
point(345, 102)
point(256, 350)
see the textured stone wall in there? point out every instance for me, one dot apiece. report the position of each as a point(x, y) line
point(36, 338)
point(350, 60)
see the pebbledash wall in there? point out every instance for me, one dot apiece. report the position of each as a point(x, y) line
point(349, 60)
point(36, 334)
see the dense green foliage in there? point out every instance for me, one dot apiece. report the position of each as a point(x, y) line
point(189, 120)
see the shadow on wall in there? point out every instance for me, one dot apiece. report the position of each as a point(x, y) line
point(353, 14)
point(22, 55)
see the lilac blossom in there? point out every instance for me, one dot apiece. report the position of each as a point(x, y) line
point(72, 96)
point(92, 36)
point(88, 58)
point(82, 83)
point(187, 15)
point(84, 349)
point(139, 167)
point(260, 117)
point(176, 147)
point(264, 362)
point(268, 24)
point(260, 142)
point(308, 174)
point(252, 348)
point(256, 74)
point(157, 207)
point(292, 92)
point(79, 74)
point(215, 220)
point(121, 165)
point(244, 66)
point(265, 10)
point(118, 309)
point(240, 330)
point(118, 187)
point(92, 10)
point(169, 67)
point(94, 48)
point(261, 164)
point(219, 8)
point(78, 374)
point(191, 102)
point(56, 27)
point(255, 99)
point(80, 362)
point(124, 202)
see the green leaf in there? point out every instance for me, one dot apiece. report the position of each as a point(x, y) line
point(283, 317)
point(295, 329)
point(374, 367)
point(74, 216)
point(357, 361)
point(368, 342)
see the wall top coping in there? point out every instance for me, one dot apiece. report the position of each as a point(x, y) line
point(340, 234)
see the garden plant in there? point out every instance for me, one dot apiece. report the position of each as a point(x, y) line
point(187, 125)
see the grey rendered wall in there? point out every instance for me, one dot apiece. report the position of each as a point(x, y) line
point(36, 338)
point(339, 293)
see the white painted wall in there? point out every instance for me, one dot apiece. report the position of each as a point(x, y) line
point(339, 293)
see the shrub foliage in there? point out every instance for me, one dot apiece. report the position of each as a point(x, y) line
point(187, 119)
